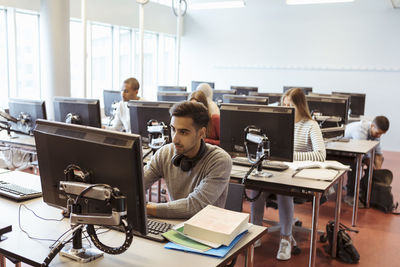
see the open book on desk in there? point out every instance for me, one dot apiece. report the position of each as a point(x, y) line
point(327, 164)
point(316, 174)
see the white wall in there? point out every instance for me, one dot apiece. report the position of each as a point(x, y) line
point(158, 18)
point(348, 46)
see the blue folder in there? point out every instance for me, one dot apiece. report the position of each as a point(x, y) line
point(219, 252)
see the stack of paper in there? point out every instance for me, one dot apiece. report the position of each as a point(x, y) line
point(212, 231)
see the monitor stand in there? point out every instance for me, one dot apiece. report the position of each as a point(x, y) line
point(78, 252)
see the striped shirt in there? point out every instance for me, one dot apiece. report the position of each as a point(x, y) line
point(308, 141)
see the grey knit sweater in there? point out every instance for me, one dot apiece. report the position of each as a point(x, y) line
point(189, 192)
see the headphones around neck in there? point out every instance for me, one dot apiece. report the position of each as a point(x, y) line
point(186, 164)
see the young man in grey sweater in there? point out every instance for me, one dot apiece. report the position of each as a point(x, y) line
point(196, 173)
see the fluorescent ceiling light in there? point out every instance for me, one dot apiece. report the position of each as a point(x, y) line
point(216, 5)
point(307, 2)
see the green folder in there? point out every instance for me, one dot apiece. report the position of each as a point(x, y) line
point(179, 238)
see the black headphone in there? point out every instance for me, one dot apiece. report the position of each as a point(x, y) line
point(186, 163)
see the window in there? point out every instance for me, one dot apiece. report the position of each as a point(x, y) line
point(125, 55)
point(102, 68)
point(149, 85)
point(76, 50)
point(28, 64)
point(3, 59)
point(166, 61)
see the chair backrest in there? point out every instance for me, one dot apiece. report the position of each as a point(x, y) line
point(234, 199)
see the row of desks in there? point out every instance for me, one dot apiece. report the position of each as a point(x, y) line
point(144, 252)
point(354, 148)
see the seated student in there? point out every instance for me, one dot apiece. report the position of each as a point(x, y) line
point(308, 145)
point(121, 121)
point(196, 173)
point(208, 91)
point(213, 127)
point(365, 130)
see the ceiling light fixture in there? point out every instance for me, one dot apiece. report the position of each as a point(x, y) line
point(308, 2)
point(217, 5)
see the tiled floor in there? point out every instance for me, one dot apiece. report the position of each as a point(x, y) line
point(378, 241)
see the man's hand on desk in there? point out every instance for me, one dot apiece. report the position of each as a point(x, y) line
point(151, 209)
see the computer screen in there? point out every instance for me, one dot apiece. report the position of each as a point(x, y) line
point(172, 96)
point(244, 90)
point(357, 102)
point(305, 90)
point(243, 99)
point(218, 95)
point(143, 111)
point(111, 158)
point(83, 111)
point(336, 106)
point(276, 122)
point(165, 88)
point(272, 97)
point(111, 97)
point(27, 111)
point(195, 84)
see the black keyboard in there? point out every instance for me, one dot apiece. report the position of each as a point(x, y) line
point(155, 229)
point(17, 192)
point(267, 165)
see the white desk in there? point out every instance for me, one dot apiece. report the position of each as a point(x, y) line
point(142, 252)
point(20, 140)
point(356, 149)
point(283, 183)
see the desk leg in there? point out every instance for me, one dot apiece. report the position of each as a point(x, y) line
point(159, 191)
point(357, 189)
point(337, 215)
point(371, 166)
point(313, 243)
point(2, 261)
point(249, 256)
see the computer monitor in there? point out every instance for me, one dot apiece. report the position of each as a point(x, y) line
point(244, 90)
point(27, 111)
point(357, 103)
point(243, 99)
point(276, 122)
point(272, 97)
point(306, 90)
point(77, 110)
point(334, 106)
point(218, 95)
point(195, 84)
point(110, 157)
point(318, 94)
point(172, 96)
point(165, 88)
point(143, 111)
point(111, 97)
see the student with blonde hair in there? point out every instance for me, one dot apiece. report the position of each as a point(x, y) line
point(308, 145)
point(213, 127)
point(208, 91)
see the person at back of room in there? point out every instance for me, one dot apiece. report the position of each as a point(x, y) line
point(196, 174)
point(308, 145)
point(208, 91)
point(130, 91)
point(365, 130)
point(213, 127)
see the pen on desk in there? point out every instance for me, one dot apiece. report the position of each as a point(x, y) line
point(296, 172)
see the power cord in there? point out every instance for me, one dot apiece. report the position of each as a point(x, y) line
point(24, 231)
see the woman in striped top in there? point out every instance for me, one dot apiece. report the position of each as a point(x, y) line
point(308, 145)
